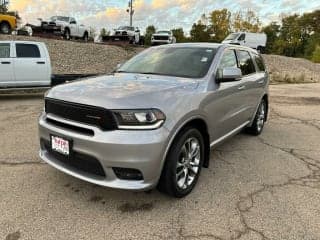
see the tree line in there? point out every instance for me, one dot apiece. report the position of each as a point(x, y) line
point(295, 35)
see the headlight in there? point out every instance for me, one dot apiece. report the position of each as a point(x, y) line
point(147, 119)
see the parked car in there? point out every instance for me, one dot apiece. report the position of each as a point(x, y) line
point(24, 64)
point(126, 33)
point(163, 37)
point(67, 26)
point(7, 23)
point(253, 40)
point(153, 121)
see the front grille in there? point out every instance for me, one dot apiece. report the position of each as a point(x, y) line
point(76, 161)
point(161, 38)
point(95, 116)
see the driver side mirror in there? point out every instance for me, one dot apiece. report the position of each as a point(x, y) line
point(230, 74)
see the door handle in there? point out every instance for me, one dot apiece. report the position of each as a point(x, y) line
point(41, 62)
point(5, 62)
point(242, 87)
point(261, 82)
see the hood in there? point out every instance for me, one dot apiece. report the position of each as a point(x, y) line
point(227, 41)
point(161, 34)
point(124, 91)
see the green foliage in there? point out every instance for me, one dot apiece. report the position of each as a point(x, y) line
point(179, 35)
point(246, 21)
point(3, 8)
point(272, 31)
point(149, 31)
point(316, 55)
point(220, 21)
point(200, 32)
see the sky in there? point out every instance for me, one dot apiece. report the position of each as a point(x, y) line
point(164, 14)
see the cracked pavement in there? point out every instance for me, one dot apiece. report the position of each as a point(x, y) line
point(264, 187)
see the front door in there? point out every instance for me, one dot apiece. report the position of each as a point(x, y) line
point(226, 105)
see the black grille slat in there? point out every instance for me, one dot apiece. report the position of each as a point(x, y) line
point(91, 115)
point(77, 161)
point(161, 37)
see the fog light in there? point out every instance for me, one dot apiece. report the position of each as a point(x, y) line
point(128, 174)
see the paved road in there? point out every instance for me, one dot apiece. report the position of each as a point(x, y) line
point(263, 187)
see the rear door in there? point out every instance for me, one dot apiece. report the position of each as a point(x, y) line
point(30, 64)
point(6, 65)
point(249, 88)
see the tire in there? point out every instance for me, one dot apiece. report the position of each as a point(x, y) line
point(86, 37)
point(5, 28)
point(259, 119)
point(67, 34)
point(182, 167)
point(260, 49)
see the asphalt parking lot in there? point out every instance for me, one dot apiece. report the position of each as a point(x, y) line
point(263, 187)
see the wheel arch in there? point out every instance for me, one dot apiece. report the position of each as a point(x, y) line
point(8, 23)
point(200, 124)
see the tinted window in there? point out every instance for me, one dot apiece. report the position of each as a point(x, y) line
point(245, 63)
point(189, 62)
point(27, 51)
point(228, 59)
point(4, 50)
point(63, 19)
point(258, 59)
point(242, 37)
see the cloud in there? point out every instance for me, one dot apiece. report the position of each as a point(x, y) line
point(164, 14)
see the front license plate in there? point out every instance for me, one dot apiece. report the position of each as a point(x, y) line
point(60, 145)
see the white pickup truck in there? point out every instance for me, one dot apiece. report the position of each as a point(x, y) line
point(24, 64)
point(67, 26)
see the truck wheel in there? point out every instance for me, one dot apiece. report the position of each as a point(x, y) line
point(67, 35)
point(86, 37)
point(183, 164)
point(260, 49)
point(5, 28)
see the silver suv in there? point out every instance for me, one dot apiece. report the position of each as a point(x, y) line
point(153, 121)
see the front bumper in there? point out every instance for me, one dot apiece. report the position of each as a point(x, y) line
point(140, 150)
point(160, 41)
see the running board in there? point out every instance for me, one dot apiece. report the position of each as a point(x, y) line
point(233, 132)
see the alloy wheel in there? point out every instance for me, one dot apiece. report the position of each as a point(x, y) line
point(261, 116)
point(188, 164)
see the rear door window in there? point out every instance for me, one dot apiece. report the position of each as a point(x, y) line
point(245, 62)
point(260, 63)
point(27, 51)
point(4, 50)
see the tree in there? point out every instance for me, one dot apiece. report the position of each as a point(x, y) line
point(220, 24)
point(179, 35)
point(272, 31)
point(246, 21)
point(104, 32)
point(200, 32)
point(3, 6)
point(149, 31)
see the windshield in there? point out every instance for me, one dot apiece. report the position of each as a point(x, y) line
point(126, 28)
point(55, 18)
point(188, 62)
point(163, 32)
point(232, 36)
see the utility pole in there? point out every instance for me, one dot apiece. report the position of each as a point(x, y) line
point(130, 10)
